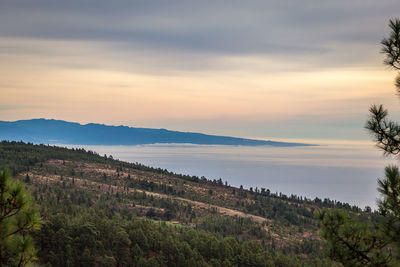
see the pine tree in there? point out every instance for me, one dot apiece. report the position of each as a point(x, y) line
point(18, 217)
point(385, 132)
point(356, 243)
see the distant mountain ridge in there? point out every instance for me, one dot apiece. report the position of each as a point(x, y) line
point(50, 131)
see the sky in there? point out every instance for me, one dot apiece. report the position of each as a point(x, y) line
point(261, 69)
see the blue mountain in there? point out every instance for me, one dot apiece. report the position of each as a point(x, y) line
point(44, 131)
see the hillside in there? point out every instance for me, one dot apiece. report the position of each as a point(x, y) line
point(62, 132)
point(103, 212)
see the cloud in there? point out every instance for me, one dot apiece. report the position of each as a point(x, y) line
point(237, 63)
point(187, 30)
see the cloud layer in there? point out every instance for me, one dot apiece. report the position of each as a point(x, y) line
point(174, 63)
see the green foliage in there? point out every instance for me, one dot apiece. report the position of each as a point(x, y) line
point(19, 156)
point(228, 226)
point(391, 48)
point(391, 44)
point(97, 236)
point(18, 217)
point(357, 243)
point(386, 133)
point(389, 208)
point(354, 242)
point(95, 207)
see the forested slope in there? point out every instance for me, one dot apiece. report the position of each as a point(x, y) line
point(99, 211)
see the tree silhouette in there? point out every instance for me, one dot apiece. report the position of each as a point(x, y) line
point(356, 243)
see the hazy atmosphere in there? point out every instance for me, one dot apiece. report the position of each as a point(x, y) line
point(303, 69)
point(149, 133)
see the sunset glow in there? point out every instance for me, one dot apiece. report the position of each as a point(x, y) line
point(217, 85)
